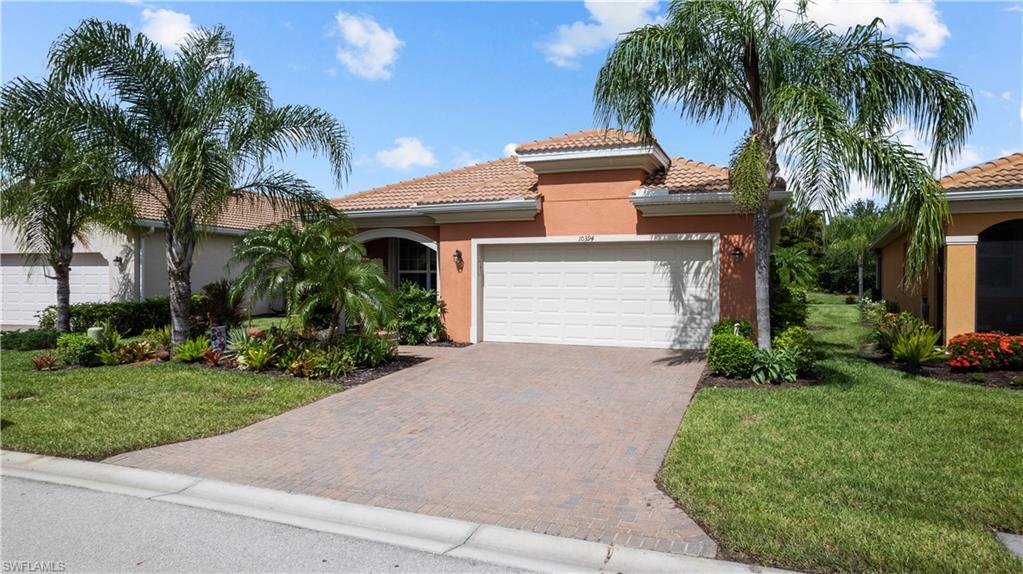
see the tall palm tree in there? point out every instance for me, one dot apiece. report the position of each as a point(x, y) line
point(818, 103)
point(854, 230)
point(315, 268)
point(54, 188)
point(193, 131)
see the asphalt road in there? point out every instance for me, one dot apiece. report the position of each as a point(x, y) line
point(49, 527)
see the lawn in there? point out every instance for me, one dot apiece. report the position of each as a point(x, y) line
point(874, 470)
point(97, 412)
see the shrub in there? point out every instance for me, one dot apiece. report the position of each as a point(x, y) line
point(333, 363)
point(192, 350)
point(109, 338)
point(419, 315)
point(77, 349)
point(985, 351)
point(212, 357)
point(917, 347)
point(129, 318)
point(258, 357)
point(1016, 381)
point(239, 342)
point(773, 366)
point(223, 306)
point(727, 326)
point(892, 326)
point(731, 356)
point(789, 308)
point(978, 377)
point(800, 344)
point(28, 340)
point(158, 337)
point(851, 299)
point(134, 352)
point(368, 350)
point(44, 362)
point(108, 358)
point(871, 312)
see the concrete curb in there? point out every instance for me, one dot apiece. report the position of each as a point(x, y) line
point(494, 544)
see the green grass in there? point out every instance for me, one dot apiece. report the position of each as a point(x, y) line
point(97, 412)
point(267, 322)
point(874, 470)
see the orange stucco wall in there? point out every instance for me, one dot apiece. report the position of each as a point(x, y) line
point(594, 203)
point(960, 277)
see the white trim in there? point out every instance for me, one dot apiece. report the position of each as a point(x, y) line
point(476, 273)
point(385, 232)
point(156, 224)
point(960, 240)
point(659, 201)
point(602, 153)
point(511, 209)
point(973, 194)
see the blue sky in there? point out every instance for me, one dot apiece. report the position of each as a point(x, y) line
point(426, 87)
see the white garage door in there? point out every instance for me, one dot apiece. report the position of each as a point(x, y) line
point(634, 294)
point(27, 289)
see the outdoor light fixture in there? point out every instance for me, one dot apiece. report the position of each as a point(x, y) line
point(118, 260)
point(458, 257)
point(737, 254)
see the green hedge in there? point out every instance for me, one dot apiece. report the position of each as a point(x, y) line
point(130, 318)
point(731, 356)
point(29, 340)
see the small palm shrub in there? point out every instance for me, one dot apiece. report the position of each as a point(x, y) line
point(158, 337)
point(773, 366)
point(77, 349)
point(419, 313)
point(914, 348)
point(258, 357)
point(800, 344)
point(727, 326)
point(893, 326)
point(28, 340)
point(192, 350)
point(224, 305)
point(44, 362)
point(731, 356)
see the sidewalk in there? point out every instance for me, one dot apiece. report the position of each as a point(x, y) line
point(435, 535)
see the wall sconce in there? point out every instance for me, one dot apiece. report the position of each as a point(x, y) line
point(118, 260)
point(457, 255)
point(737, 255)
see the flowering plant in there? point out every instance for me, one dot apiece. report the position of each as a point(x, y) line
point(985, 352)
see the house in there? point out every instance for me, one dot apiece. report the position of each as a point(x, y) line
point(976, 282)
point(123, 266)
point(590, 238)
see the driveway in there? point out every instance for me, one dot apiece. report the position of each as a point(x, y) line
point(554, 439)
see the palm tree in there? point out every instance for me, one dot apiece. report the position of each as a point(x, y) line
point(819, 104)
point(317, 268)
point(54, 188)
point(193, 131)
point(854, 230)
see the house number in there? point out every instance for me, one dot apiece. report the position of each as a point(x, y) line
point(585, 238)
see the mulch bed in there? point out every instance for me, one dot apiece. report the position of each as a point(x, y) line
point(359, 377)
point(1002, 379)
point(714, 381)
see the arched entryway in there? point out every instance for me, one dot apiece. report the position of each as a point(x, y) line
point(405, 255)
point(1000, 278)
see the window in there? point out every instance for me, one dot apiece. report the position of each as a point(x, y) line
point(416, 263)
point(1000, 278)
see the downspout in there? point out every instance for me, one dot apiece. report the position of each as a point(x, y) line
point(142, 262)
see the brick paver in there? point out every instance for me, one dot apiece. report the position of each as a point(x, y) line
point(554, 439)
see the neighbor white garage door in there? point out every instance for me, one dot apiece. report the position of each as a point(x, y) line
point(27, 290)
point(634, 294)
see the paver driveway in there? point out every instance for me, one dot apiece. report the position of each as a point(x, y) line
point(555, 439)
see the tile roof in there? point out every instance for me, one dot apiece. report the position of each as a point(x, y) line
point(688, 176)
point(495, 180)
point(1001, 173)
point(248, 211)
point(586, 139)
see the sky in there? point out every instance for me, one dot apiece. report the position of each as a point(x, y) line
point(424, 87)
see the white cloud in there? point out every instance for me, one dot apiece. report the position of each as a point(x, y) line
point(465, 158)
point(409, 152)
point(509, 148)
point(1007, 96)
point(1015, 8)
point(915, 21)
point(606, 22)
point(369, 50)
point(166, 27)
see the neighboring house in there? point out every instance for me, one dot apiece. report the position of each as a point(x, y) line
point(976, 282)
point(591, 238)
point(122, 266)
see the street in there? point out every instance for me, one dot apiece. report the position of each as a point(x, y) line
point(49, 527)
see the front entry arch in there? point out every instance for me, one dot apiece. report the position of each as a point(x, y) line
point(1000, 278)
point(405, 255)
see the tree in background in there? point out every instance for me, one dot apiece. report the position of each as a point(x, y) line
point(54, 188)
point(849, 235)
point(817, 102)
point(193, 131)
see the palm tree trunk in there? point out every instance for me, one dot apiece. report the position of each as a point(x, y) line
point(180, 248)
point(859, 269)
point(62, 272)
point(762, 274)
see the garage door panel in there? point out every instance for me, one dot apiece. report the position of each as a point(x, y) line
point(28, 288)
point(649, 294)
